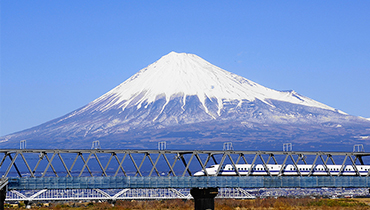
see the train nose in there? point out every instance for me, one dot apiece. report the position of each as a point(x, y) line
point(199, 173)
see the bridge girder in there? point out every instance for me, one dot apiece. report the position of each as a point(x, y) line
point(98, 162)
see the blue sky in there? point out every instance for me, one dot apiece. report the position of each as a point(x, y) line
point(57, 56)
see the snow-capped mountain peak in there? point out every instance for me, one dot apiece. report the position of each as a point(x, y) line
point(182, 74)
point(186, 100)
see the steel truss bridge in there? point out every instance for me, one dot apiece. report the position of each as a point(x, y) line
point(98, 174)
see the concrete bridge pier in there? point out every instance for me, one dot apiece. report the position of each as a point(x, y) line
point(2, 197)
point(204, 198)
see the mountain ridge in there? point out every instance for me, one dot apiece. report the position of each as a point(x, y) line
point(181, 90)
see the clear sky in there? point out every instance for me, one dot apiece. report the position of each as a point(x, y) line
point(57, 56)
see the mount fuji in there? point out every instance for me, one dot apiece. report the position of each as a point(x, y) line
point(190, 103)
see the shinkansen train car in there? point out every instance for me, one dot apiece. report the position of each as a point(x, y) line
point(288, 170)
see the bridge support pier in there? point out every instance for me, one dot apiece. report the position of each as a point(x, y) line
point(204, 198)
point(2, 197)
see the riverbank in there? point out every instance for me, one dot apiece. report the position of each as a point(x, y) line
point(220, 204)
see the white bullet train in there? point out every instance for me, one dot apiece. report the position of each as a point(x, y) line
point(288, 170)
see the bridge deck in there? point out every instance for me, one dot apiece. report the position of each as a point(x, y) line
point(187, 182)
point(109, 169)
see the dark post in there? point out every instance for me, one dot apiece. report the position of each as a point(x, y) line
point(204, 198)
point(2, 197)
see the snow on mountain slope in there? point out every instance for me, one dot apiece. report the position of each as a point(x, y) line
point(182, 74)
point(186, 100)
